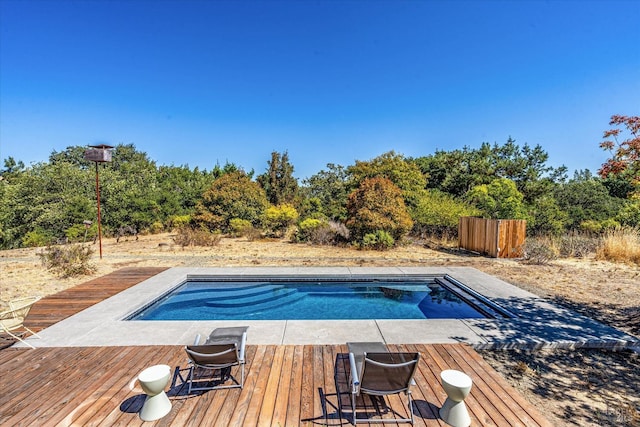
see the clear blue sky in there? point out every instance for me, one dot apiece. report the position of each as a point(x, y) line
point(200, 82)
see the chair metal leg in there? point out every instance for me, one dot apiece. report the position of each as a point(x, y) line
point(190, 379)
point(383, 421)
point(353, 408)
point(31, 332)
point(410, 405)
point(242, 375)
point(238, 384)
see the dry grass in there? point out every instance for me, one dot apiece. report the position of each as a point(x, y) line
point(621, 245)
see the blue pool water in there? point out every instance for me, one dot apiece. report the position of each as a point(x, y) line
point(308, 301)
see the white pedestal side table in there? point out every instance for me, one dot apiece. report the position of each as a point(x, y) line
point(457, 385)
point(153, 381)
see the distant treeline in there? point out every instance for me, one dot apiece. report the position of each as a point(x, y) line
point(376, 202)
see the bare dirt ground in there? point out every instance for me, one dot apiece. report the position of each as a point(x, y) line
point(572, 388)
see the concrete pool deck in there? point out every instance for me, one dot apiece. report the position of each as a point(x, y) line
point(539, 324)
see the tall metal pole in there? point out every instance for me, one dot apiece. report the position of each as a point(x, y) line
point(99, 221)
point(100, 154)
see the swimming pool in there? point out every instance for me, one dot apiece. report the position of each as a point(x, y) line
point(215, 299)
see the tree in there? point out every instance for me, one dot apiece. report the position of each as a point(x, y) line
point(129, 194)
point(233, 195)
point(545, 216)
point(377, 205)
point(402, 173)
point(326, 193)
point(129, 190)
point(438, 213)
point(11, 168)
point(629, 214)
point(526, 166)
point(278, 182)
point(73, 155)
point(180, 188)
point(46, 199)
point(624, 164)
point(456, 172)
point(498, 200)
point(50, 200)
point(218, 171)
point(586, 198)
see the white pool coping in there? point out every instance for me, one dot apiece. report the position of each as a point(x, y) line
point(541, 324)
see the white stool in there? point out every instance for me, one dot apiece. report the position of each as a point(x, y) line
point(457, 385)
point(153, 380)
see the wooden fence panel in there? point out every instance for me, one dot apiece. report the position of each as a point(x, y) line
point(501, 238)
point(512, 238)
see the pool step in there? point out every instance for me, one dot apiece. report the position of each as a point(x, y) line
point(200, 287)
point(253, 299)
point(236, 300)
point(200, 296)
point(238, 294)
point(256, 309)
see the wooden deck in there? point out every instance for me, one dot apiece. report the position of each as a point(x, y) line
point(285, 386)
point(54, 308)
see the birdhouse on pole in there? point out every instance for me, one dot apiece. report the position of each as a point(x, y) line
point(99, 154)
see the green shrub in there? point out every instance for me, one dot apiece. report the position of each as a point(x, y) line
point(243, 228)
point(591, 226)
point(177, 221)
point(68, 261)
point(437, 215)
point(610, 224)
point(80, 233)
point(75, 233)
point(310, 224)
point(278, 218)
point(240, 227)
point(596, 227)
point(156, 227)
point(187, 236)
point(36, 238)
point(629, 214)
point(380, 240)
point(307, 228)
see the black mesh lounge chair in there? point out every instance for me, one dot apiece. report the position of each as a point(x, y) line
point(377, 372)
point(224, 349)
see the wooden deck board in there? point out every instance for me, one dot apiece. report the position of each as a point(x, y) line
point(284, 385)
point(295, 392)
point(54, 308)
